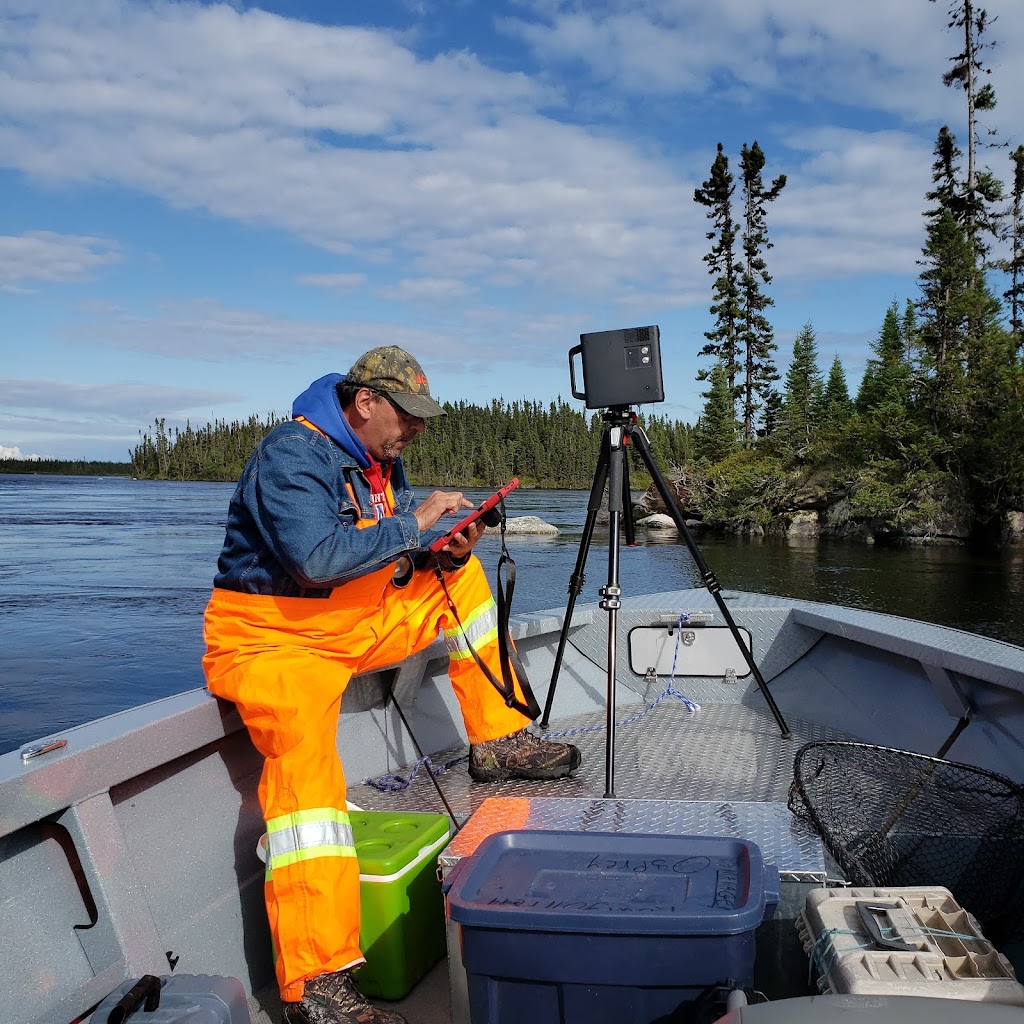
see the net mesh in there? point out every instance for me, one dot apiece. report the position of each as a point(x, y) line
point(892, 818)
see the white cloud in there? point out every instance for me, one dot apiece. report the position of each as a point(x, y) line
point(46, 257)
point(425, 289)
point(874, 53)
point(444, 167)
point(209, 332)
point(15, 453)
point(119, 402)
point(480, 215)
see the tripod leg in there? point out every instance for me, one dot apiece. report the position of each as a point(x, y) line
point(710, 581)
point(578, 577)
point(612, 592)
point(627, 500)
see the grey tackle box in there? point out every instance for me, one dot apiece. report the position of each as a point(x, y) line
point(183, 999)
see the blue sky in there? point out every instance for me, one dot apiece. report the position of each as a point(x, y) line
point(205, 206)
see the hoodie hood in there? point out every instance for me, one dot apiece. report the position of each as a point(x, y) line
point(320, 405)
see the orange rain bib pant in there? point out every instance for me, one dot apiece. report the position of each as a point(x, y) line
point(285, 662)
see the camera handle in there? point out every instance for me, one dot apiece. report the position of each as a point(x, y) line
point(576, 350)
point(621, 429)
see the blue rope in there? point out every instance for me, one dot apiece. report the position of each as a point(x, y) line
point(670, 691)
point(394, 783)
point(824, 953)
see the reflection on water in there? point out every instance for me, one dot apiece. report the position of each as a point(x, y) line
point(103, 583)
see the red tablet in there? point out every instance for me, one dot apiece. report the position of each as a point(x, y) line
point(474, 514)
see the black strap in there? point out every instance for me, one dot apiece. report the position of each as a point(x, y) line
point(508, 655)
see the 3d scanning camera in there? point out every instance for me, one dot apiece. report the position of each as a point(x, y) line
point(620, 368)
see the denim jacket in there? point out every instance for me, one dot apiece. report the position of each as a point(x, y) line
point(291, 528)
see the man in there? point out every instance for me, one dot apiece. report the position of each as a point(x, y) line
point(325, 573)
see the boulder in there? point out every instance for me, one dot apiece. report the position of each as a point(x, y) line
point(1014, 532)
point(526, 524)
point(658, 521)
point(803, 524)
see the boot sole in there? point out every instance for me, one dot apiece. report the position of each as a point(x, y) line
point(536, 775)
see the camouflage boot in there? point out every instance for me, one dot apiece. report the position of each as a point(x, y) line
point(521, 756)
point(334, 999)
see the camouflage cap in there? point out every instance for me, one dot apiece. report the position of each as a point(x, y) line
point(391, 369)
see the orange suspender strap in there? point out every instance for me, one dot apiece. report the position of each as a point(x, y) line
point(388, 492)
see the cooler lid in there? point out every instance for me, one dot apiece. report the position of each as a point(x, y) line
point(623, 883)
point(386, 841)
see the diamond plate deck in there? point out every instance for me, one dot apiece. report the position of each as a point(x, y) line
point(727, 763)
point(784, 841)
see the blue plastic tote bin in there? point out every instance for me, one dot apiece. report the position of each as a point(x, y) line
point(601, 927)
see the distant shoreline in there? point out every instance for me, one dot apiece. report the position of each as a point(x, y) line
point(65, 467)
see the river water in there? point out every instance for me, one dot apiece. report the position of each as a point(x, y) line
point(103, 583)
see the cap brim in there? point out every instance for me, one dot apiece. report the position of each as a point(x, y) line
point(416, 405)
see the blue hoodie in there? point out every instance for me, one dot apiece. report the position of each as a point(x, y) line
point(291, 529)
point(320, 404)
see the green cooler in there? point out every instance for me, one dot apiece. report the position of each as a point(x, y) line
point(402, 924)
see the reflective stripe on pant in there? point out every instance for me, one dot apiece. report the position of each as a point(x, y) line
point(285, 662)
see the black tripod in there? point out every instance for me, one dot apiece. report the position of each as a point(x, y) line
point(613, 469)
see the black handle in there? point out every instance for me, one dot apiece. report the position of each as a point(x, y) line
point(147, 989)
point(575, 350)
point(867, 911)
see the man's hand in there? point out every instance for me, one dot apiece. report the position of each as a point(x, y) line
point(462, 543)
point(440, 503)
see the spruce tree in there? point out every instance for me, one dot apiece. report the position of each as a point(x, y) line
point(1014, 265)
point(887, 375)
point(966, 73)
point(756, 335)
point(715, 436)
point(802, 395)
point(836, 403)
point(723, 339)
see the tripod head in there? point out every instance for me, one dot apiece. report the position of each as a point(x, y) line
point(619, 415)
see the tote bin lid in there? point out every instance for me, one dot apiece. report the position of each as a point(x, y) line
point(623, 883)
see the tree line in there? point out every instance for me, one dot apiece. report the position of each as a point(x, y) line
point(549, 445)
point(65, 467)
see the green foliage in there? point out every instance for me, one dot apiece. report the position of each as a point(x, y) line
point(756, 334)
point(1013, 267)
point(218, 451)
point(742, 340)
point(891, 463)
point(748, 487)
point(836, 403)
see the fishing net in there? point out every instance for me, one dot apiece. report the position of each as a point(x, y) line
point(892, 818)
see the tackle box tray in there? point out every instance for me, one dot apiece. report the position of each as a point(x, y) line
point(904, 940)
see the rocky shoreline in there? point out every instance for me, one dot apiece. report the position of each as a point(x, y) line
point(813, 511)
